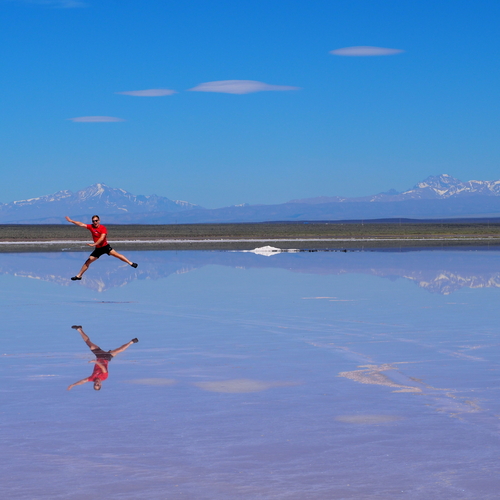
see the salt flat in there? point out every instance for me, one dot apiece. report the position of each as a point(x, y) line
point(357, 375)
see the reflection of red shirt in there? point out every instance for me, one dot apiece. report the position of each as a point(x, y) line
point(98, 373)
point(96, 234)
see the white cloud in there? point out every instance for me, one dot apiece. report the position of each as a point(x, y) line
point(96, 119)
point(57, 4)
point(239, 87)
point(365, 51)
point(148, 92)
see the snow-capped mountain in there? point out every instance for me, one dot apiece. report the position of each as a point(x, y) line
point(442, 187)
point(438, 187)
point(97, 198)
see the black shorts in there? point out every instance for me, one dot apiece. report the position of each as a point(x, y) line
point(101, 251)
point(100, 354)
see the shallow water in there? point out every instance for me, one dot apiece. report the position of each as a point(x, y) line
point(328, 375)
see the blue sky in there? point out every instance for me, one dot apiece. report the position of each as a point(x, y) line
point(316, 123)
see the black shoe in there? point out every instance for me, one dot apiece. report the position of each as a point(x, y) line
point(133, 264)
point(76, 278)
point(76, 327)
point(135, 341)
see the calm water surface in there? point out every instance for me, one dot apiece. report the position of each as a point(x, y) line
point(358, 375)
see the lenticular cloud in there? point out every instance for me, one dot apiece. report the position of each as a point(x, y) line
point(148, 92)
point(365, 51)
point(96, 119)
point(239, 87)
point(58, 4)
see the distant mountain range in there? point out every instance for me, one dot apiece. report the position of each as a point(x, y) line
point(438, 197)
point(98, 198)
point(440, 187)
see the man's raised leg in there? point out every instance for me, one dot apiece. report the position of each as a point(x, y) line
point(85, 337)
point(114, 352)
point(114, 253)
point(84, 268)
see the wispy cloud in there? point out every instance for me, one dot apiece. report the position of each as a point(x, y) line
point(152, 381)
point(148, 92)
point(96, 119)
point(239, 87)
point(56, 4)
point(364, 51)
point(241, 385)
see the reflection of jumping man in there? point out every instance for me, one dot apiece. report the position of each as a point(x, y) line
point(100, 243)
point(100, 372)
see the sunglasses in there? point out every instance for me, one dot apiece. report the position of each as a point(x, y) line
point(95, 220)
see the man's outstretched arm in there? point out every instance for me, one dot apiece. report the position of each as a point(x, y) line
point(98, 242)
point(75, 222)
point(80, 382)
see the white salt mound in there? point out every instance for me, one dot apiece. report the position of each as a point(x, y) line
point(267, 251)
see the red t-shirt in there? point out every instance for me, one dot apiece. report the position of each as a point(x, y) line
point(98, 373)
point(96, 234)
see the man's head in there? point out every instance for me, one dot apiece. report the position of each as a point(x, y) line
point(97, 384)
point(96, 221)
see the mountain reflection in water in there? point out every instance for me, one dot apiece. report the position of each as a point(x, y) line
point(437, 271)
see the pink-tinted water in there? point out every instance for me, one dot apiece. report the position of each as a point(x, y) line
point(328, 375)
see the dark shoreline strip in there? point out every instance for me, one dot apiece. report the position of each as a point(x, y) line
point(309, 245)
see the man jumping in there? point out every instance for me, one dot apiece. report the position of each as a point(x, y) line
point(100, 243)
point(100, 372)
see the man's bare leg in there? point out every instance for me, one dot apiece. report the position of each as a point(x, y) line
point(114, 253)
point(114, 352)
point(85, 337)
point(86, 266)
